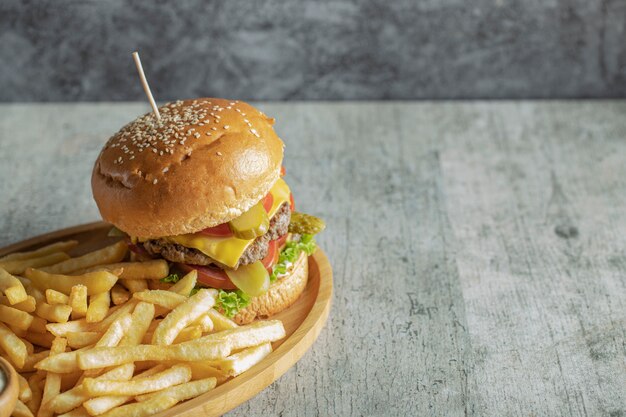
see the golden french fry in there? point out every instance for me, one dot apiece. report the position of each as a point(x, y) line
point(151, 270)
point(13, 346)
point(205, 323)
point(12, 287)
point(38, 325)
point(25, 393)
point(56, 297)
point(77, 340)
point(30, 361)
point(21, 410)
point(36, 381)
point(78, 301)
point(116, 331)
point(19, 266)
point(241, 361)
point(203, 369)
point(183, 315)
point(252, 334)
point(184, 391)
point(119, 294)
point(220, 321)
point(189, 351)
point(15, 317)
point(28, 305)
point(77, 412)
point(107, 255)
point(141, 319)
point(81, 325)
point(154, 284)
point(52, 386)
point(96, 282)
point(186, 284)
point(60, 363)
point(143, 409)
point(38, 253)
point(58, 313)
point(135, 285)
point(103, 404)
point(163, 298)
point(74, 397)
point(98, 307)
point(175, 375)
point(187, 334)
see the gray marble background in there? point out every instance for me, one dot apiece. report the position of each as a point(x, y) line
point(68, 50)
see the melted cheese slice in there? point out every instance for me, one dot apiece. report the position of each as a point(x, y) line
point(228, 250)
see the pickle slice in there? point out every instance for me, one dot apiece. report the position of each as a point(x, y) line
point(305, 224)
point(115, 232)
point(252, 279)
point(251, 224)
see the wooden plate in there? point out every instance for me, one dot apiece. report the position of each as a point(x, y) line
point(303, 322)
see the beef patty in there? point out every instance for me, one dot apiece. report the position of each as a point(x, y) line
point(256, 251)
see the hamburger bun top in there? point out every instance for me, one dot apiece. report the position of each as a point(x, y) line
point(205, 163)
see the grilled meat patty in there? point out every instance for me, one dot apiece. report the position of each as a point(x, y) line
point(256, 251)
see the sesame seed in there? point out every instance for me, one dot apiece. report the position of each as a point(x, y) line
point(166, 169)
point(154, 181)
point(218, 153)
point(226, 127)
point(213, 128)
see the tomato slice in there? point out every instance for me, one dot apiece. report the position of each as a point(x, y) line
point(210, 276)
point(292, 204)
point(268, 201)
point(282, 171)
point(221, 230)
point(139, 250)
point(281, 241)
point(272, 256)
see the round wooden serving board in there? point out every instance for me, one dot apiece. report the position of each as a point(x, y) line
point(303, 322)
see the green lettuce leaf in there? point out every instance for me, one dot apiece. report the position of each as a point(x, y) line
point(230, 302)
point(290, 254)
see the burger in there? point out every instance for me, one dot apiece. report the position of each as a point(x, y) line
point(201, 186)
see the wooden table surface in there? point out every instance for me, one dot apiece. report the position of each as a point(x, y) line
point(479, 248)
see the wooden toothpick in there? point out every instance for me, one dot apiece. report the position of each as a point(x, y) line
point(146, 87)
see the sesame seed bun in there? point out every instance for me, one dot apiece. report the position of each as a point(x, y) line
point(208, 161)
point(281, 294)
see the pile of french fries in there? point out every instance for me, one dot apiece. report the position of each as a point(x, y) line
point(96, 336)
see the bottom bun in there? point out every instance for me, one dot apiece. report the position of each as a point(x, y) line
point(282, 293)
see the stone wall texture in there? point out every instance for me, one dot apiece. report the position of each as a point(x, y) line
point(80, 50)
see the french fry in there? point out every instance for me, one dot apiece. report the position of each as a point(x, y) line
point(204, 369)
point(96, 282)
point(184, 391)
point(25, 393)
point(21, 410)
point(35, 381)
point(28, 305)
point(188, 351)
point(98, 307)
point(104, 403)
point(30, 361)
point(77, 412)
point(74, 397)
point(77, 340)
point(78, 301)
point(185, 284)
point(143, 409)
point(70, 379)
point(116, 331)
point(182, 316)
point(81, 325)
point(154, 284)
point(15, 317)
point(169, 300)
point(205, 323)
point(13, 346)
point(150, 270)
point(187, 334)
point(30, 349)
point(175, 375)
point(58, 313)
point(242, 361)
point(56, 297)
point(38, 325)
point(12, 287)
point(119, 294)
point(249, 335)
point(43, 251)
point(135, 285)
point(107, 255)
point(221, 322)
point(52, 386)
point(141, 319)
point(19, 266)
